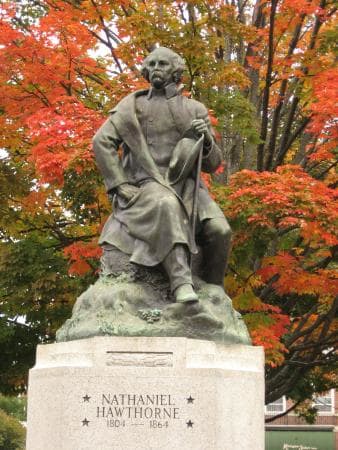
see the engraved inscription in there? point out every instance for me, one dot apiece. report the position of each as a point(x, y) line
point(119, 410)
point(137, 406)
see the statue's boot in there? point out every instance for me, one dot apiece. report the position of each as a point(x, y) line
point(185, 294)
point(177, 267)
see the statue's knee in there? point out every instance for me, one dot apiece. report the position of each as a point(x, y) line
point(219, 229)
point(168, 201)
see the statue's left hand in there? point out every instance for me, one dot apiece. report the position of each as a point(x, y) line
point(200, 127)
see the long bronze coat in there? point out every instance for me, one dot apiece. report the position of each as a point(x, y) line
point(158, 155)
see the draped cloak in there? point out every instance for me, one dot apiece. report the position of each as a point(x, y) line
point(158, 216)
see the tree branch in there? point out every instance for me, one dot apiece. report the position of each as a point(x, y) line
point(108, 42)
point(288, 140)
point(281, 95)
point(287, 411)
point(285, 140)
point(266, 92)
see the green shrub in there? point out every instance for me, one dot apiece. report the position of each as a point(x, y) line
point(14, 406)
point(12, 433)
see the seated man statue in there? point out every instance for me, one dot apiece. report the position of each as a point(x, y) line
point(153, 181)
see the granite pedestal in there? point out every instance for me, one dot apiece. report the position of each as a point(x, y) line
point(144, 393)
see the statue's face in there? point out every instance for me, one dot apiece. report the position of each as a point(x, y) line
point(160, 69)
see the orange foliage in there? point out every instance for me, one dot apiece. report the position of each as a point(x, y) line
point(300, 215)
point(61, 137)
point(80, 254)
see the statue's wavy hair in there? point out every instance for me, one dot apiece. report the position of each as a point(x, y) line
point(176, 60)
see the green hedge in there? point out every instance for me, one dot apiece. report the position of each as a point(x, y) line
point(14, 406)
point(12, 433)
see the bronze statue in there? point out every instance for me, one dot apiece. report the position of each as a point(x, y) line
point(155, 218)
point(162, 213)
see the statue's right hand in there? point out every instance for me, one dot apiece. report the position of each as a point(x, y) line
point(127, 191)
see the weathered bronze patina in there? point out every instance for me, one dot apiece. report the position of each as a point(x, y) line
point(162, 134)
point(161, 213)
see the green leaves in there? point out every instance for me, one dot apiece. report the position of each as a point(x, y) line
point(12, 433)
point(238, 116)
point(36, 294)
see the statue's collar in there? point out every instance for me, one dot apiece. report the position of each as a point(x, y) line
point(169, 91)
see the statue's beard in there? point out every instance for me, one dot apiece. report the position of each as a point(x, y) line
point(158, 82)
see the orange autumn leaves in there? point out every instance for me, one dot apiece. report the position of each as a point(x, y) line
point(61, 138)
point(80, 255)
point(294, 217)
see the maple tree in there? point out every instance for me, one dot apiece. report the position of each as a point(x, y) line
point(285, 228)
point(266, 70)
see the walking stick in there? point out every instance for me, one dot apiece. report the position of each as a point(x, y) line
point(195, 198)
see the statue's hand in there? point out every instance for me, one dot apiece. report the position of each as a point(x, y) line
point(200, 127)
point(127, 191)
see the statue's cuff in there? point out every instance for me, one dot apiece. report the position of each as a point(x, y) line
point(207, 149)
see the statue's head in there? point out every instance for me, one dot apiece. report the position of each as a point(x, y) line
point(162, 67)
